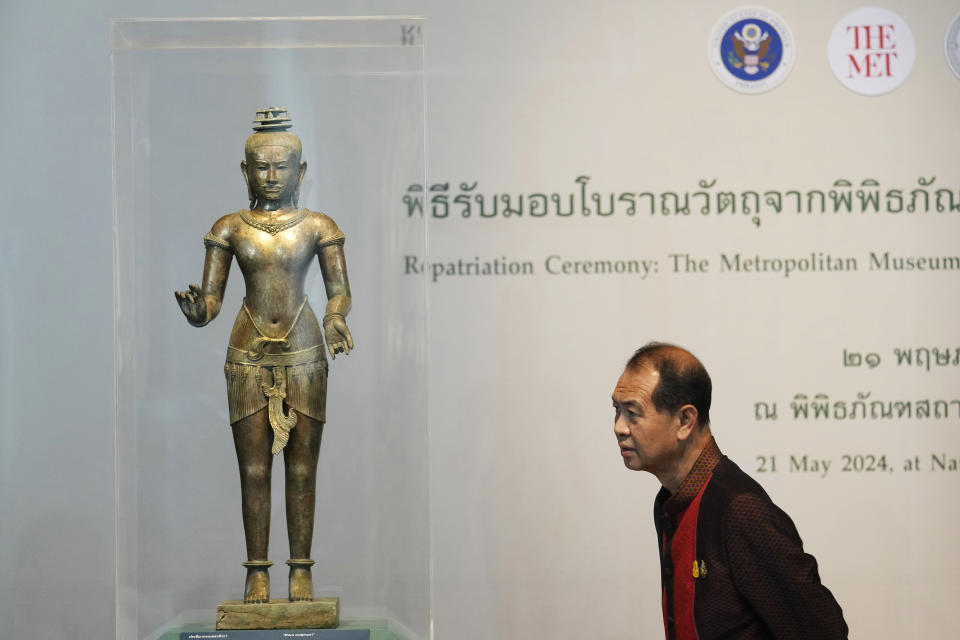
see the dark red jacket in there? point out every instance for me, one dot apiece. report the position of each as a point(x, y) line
point(754, 580)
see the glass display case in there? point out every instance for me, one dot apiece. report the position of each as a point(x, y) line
point(185, 94)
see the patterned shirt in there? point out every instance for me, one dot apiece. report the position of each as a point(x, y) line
point(747, 577)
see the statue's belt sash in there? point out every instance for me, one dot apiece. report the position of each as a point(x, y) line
point(288, 359)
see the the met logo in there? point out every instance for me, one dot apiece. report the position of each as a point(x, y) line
point(871, 51)
point(874, 50)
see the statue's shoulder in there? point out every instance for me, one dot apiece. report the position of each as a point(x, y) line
point(222, 232)
point(323, 223)
point(320, 218)
point(227, 224)
point(327, 231)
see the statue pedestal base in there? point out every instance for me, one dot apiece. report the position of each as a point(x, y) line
point(319, 613)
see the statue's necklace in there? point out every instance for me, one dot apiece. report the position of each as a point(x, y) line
point(273, 227)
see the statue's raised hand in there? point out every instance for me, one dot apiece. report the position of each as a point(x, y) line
point(193, 305)
point(338, 335)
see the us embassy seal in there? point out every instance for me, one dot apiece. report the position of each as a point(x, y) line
point(951, 45)
point(751, 50)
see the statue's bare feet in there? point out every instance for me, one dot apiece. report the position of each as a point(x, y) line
point(258, 586)
point(301, 583)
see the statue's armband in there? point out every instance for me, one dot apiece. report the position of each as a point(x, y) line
point(211, 240)
point(335, 239)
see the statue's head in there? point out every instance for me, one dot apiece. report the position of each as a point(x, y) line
point(272, 167)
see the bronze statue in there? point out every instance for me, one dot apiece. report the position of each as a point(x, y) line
point(276, 368)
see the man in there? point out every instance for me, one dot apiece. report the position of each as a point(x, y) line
point(732, 562)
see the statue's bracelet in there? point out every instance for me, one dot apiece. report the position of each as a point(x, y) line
point(332, 314)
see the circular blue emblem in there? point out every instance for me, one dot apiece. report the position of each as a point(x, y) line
point(751, 49)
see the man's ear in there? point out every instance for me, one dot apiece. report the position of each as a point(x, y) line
point(688, 417)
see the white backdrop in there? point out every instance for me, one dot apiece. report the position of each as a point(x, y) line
point(535, 527)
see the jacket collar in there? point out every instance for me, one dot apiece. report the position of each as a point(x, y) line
point(691, 485)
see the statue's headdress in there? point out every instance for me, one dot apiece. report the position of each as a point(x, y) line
point(272, 124)
point(272, 119)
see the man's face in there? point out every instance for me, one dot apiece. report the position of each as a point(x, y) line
point(647, 438)
point(273, 172)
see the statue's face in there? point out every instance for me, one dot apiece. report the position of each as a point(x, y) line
point(273, 172)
